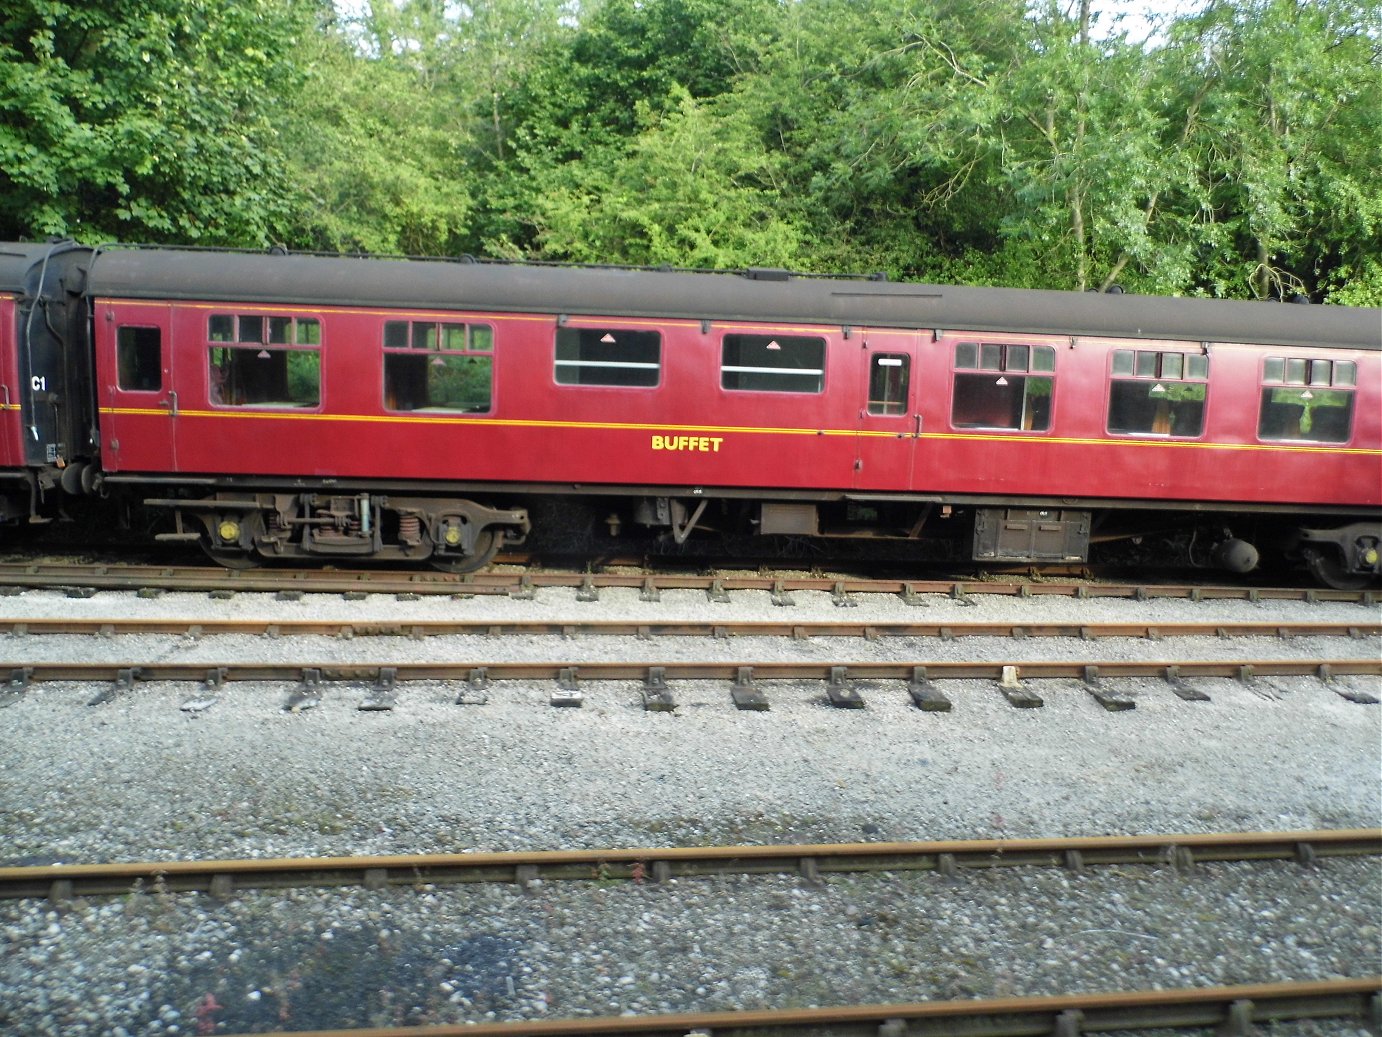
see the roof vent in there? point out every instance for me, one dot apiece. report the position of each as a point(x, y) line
point(764, 273)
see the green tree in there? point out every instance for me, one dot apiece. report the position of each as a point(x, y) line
point(1092, 154)
point(999, 143)
point(145, 119)
point(376, 151)
point(1288, 149)
point(695, 188)
point(808, 98)
point(623, 52)
point(1041, 150)
point(600, 81)
point(405, 119)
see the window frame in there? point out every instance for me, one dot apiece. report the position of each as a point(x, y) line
point(1306, 377)
point(120, 354)
point(437, 346)
point(1195, 369)
point(598, 333)
point(973, 363)
point(887, 407)
point(237, 344)
point(741, 339)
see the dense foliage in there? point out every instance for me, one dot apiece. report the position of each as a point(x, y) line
point(147, 119)
point(1236, 152)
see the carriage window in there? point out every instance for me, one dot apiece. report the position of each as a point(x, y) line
point(1310, 400)
point(258, 361)
point(995, 386)
point(773, 363)
point(221, 328)
point(251, 329)
point(139, 359)
point(888, 375)
point(438, 366)
point(608, 356)
point(1156, 393)
point(282, 331)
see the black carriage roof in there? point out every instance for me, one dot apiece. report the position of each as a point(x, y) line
point(16, 260)
point(772, 296)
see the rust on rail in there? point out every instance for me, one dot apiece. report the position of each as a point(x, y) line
point(676, 628)
point(1232, 1010)
point(801, 670)
point(127, 577)
point(662, 863)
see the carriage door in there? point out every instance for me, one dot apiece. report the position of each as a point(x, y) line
point(139, 405)
point(889, 418)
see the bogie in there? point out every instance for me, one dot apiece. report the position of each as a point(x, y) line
point(245, 530)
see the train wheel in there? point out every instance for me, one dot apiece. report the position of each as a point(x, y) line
point(1326, 568)
point(231, 559)
point(487, 543)
point(227, 540)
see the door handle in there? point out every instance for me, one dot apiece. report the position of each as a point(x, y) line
point(171, 403)
point(917, 433)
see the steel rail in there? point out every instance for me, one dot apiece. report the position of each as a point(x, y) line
point(732, 671)
point(1232, 1011)
point(222, 877)
point(420, 629)
point(80, 578)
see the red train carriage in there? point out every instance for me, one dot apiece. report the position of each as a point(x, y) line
point(15, 262)
point(287, 406)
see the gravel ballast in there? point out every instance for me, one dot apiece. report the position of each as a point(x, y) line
point(141, 778)
point(309, 960)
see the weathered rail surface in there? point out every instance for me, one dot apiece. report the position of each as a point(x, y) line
point(83, 579)
point(949, 858)
point(1231, 1011)
point(744, 677)
point(420, 629)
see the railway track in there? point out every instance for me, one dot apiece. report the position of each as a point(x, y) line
point(421, 629)
point(746, 691)
point(221, 878)
point(375, 683)
point(86, 579)
point(1231, 1011)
